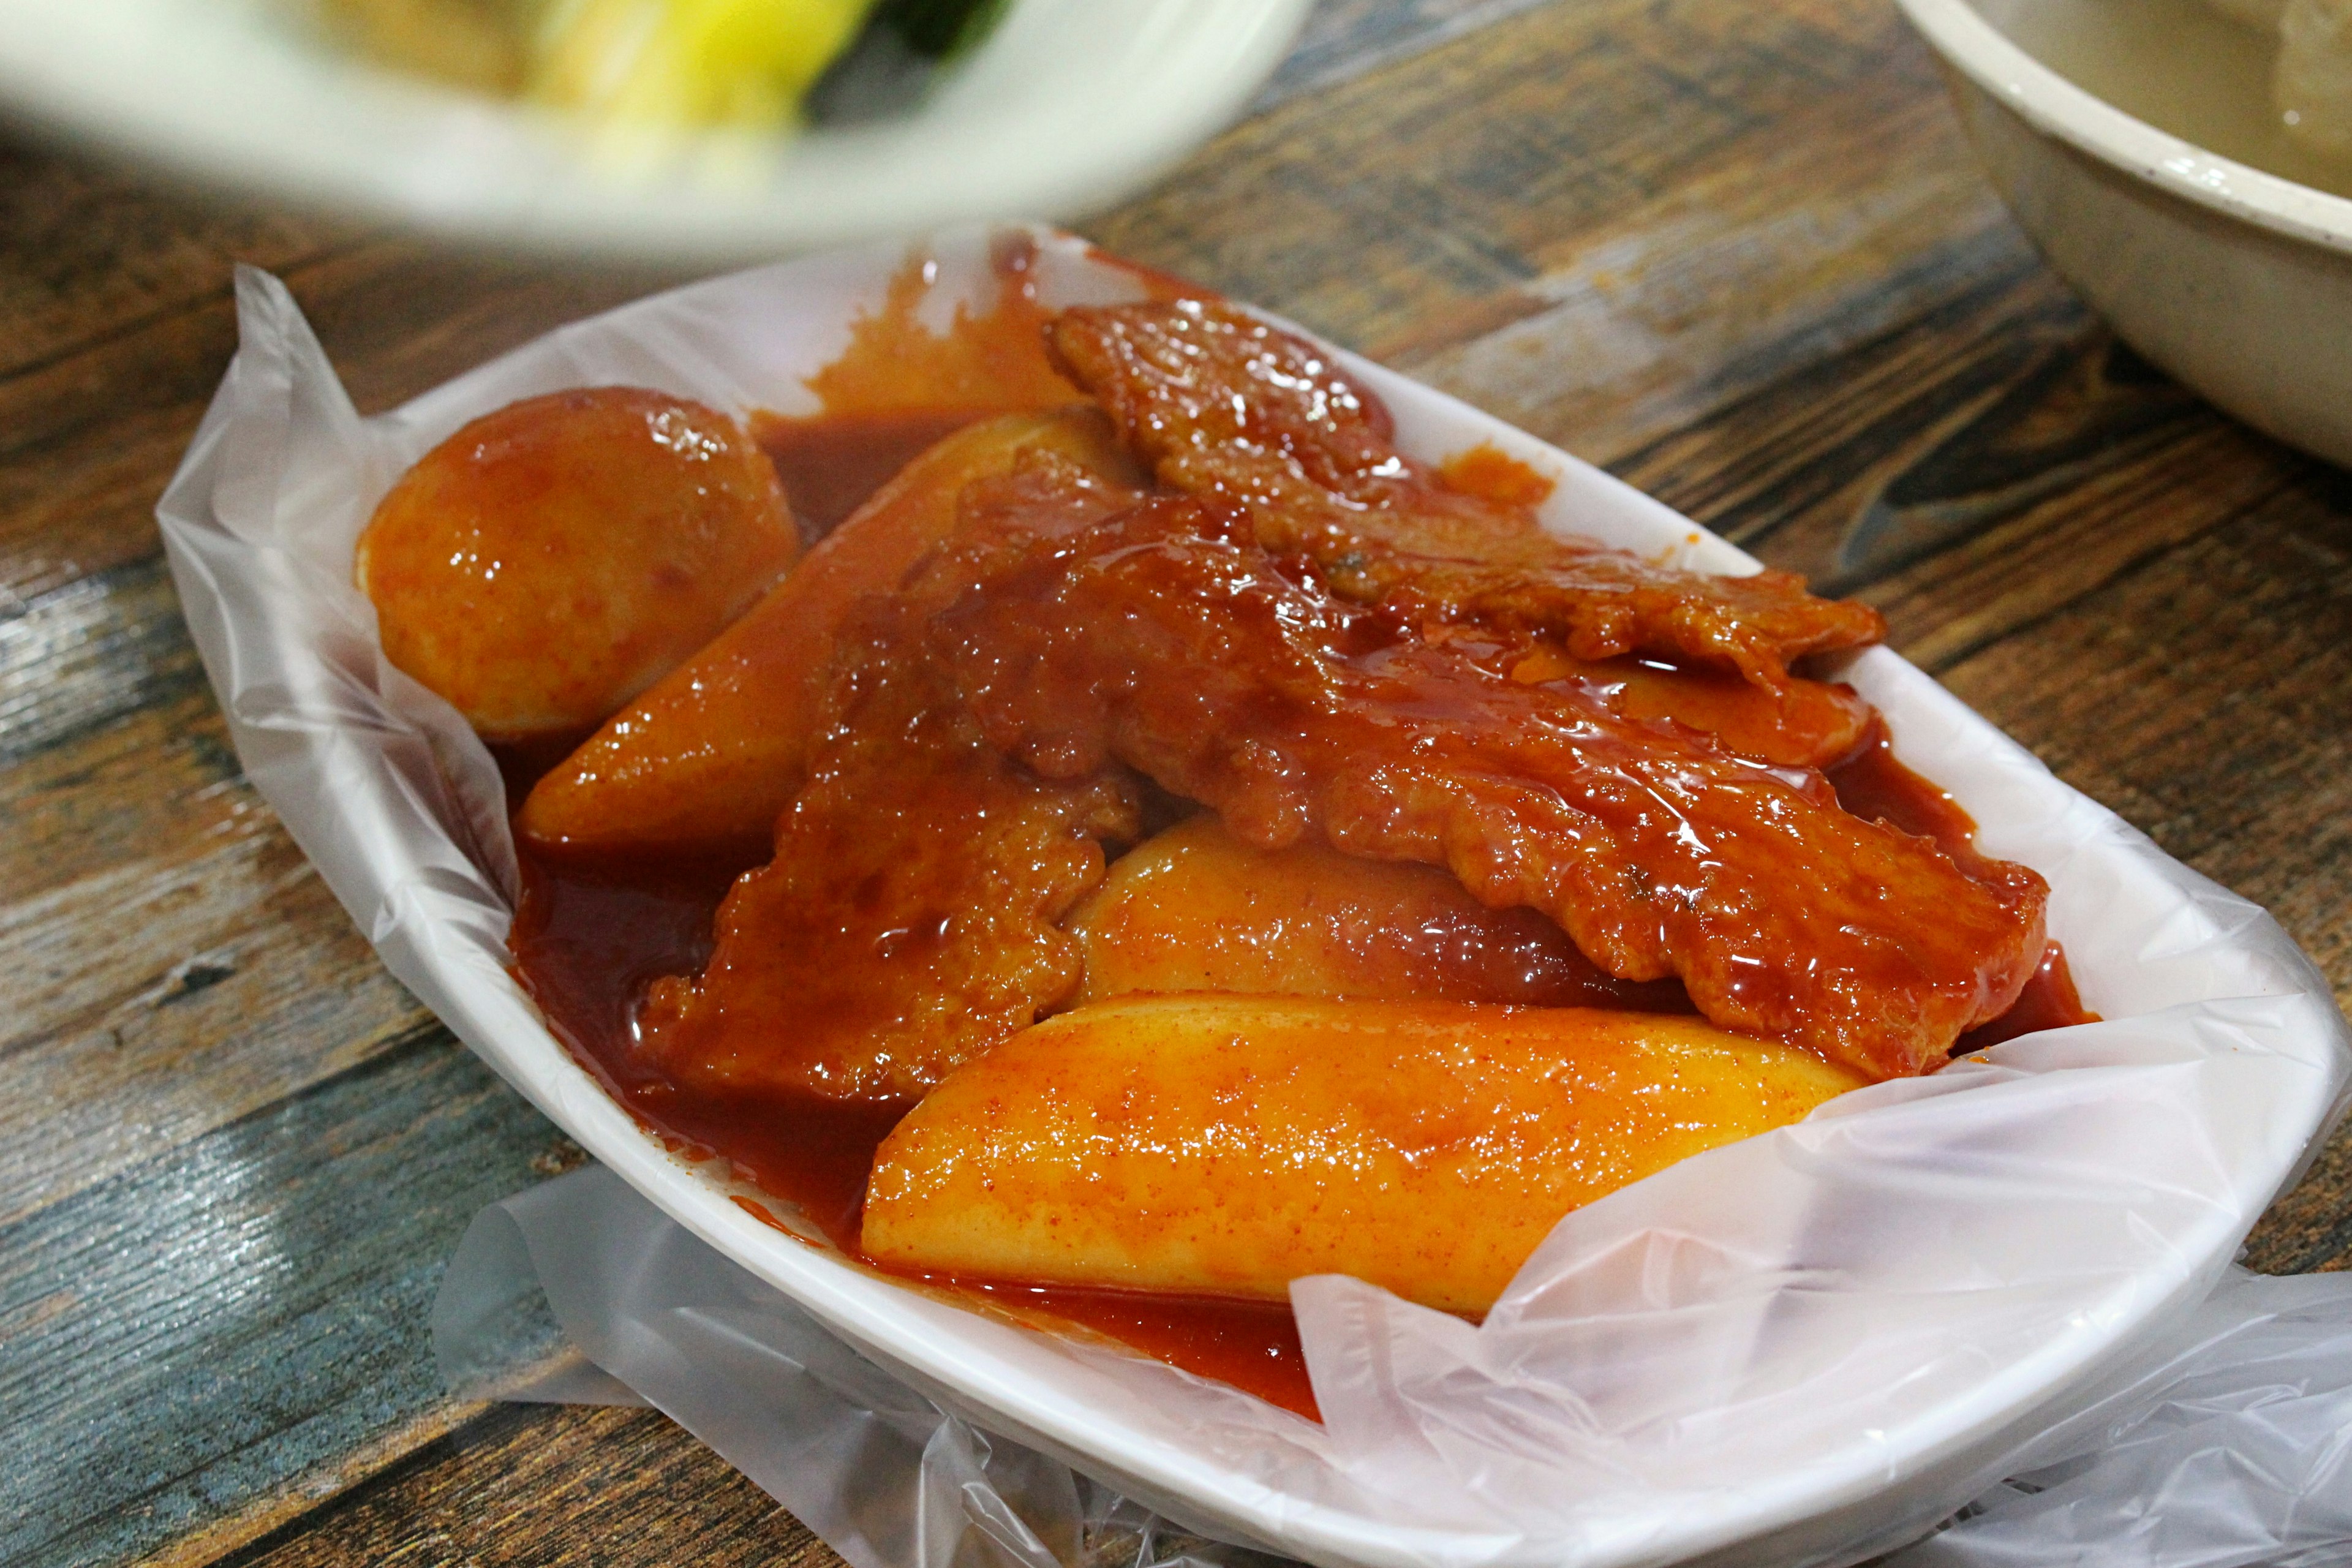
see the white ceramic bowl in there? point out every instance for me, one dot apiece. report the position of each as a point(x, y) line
point(1069, 104)
point(2236, 281)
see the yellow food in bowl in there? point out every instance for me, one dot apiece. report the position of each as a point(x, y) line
point(689, 62)
point(748, 64)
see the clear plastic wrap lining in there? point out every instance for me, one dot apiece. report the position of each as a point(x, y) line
point(1801, 1345)
point(2222, 1443)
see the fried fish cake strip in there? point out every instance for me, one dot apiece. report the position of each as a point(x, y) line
point(1802, 724)
point(908, 921)
point(1222, 405)
point(1165, 638)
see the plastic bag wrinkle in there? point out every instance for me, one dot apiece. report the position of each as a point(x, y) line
point(2218, 1368)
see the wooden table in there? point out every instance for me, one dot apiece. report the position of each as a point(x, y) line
point(1739, 253)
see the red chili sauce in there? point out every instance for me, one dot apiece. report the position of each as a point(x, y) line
point(592, 935)
point(1872, 783)
point(589, 939)
point(832, 463)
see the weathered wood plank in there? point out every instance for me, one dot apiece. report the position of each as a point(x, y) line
point(1855, 213)
point(2011, 574)
point(401, 319)
point(90, 653)
point(2200, 694)
point(186, 995)
point(245, 1312)
point(281, 1509)
point(1742, 256)
point(531, 1484)
point(1969, 472)
point(1421, 192)
point(87, 250)
point(88, 440)
point(85, 441)
point(178, 963)
point(1345, 39)
point(119, 791)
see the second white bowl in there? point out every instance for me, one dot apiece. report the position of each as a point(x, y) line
point(2236, 281)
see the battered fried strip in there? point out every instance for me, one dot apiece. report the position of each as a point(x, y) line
point(1803, 724)
point(1227, 1145)
point(908, 921)
point(1222, 405)
point(1166, 640)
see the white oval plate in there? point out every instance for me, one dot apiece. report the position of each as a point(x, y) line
point(1822, 1337)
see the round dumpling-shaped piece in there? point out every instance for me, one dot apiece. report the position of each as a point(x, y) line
point(552, 560)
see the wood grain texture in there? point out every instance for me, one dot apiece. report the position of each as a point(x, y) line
point(247, 1308)
point(523, 1484)
point(1739, 253)
point(2200, 692)
point(1344, 39)
point(86, 439)
point(186, 966)
point(1426, 199)
point(86, 251)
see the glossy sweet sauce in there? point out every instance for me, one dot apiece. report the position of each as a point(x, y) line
point(901, 385)
point(1872, 783)
point(592, 935)
point(589, 939)
point(992, 358)
point(830, 463)
point(1488, 472)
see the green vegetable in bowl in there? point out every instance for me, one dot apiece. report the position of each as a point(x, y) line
point(939, 28)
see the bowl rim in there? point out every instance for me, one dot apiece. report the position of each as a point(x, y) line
point(505, 177)
point(2059, 108)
